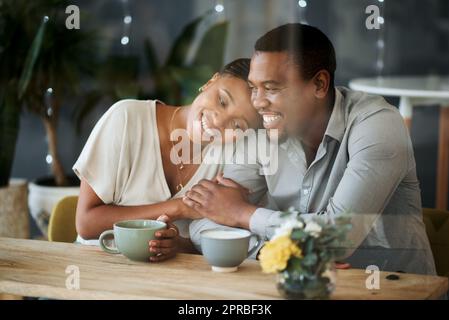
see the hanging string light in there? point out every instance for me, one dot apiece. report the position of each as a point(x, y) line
point(127, 20)
point(48, 100)
point(380, 44)
point(302, 11)
point(218, 10)
point(219, 7)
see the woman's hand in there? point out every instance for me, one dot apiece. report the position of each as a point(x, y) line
point(186, 212)
point(166, 244)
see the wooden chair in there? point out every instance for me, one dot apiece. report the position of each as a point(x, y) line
point(437, 228)
point(61, 227)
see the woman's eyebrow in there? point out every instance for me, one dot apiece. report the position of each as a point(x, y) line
point(229, 94)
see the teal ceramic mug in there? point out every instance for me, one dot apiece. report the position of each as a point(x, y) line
point(132, 238)
point(226, 249)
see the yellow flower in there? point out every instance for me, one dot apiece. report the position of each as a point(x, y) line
point(275, 254)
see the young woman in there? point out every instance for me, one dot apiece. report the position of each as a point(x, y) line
point(125, 168)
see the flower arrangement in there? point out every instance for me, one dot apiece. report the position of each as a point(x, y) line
point(302, 253)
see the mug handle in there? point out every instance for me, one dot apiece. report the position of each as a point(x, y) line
point(105, 247)
point(254, 248)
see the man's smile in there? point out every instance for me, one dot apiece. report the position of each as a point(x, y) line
point(271, 119)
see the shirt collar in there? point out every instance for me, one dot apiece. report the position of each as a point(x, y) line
point(337, 122)
point(336, 126)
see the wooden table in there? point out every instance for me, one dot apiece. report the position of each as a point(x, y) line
point(419, 91)
point(38, 269)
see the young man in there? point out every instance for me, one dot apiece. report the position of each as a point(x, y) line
point(340, 151)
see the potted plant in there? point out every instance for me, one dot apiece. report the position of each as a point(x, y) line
point(176, 81)
point(38, 71)
point(59, 57)
point(13, 192)
point(302, 254)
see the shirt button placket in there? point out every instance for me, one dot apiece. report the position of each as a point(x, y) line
point(304, 196)
point(305, 192)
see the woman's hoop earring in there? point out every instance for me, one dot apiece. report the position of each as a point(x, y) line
point(201, 89)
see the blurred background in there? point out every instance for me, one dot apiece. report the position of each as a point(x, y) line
point(148, 48)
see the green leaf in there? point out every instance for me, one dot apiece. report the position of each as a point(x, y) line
point(118, 77)
point(326, 239)
point(310, 259)
point(294, 265)
point(167, 88)
point(190, 79)
point(309, 245)
point(9, 128)
point(127, 90)
point(90, 102)
point(212, 47)
point(299, 235)
point(325, 256)
point(175, 82)
point(32, 55)
point(151, 56)
point(119, 69)
point(183, 43)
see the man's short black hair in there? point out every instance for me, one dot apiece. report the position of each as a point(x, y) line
point(310, 48)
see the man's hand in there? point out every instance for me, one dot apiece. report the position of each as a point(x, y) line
point(166, 244)
point(224, 201)
point(185, 212)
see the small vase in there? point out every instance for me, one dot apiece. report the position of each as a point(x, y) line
point(298, 286)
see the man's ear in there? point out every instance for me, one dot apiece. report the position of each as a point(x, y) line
point(210, 81)
point(321, 80)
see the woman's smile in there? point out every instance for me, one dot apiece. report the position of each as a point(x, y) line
point(207, 127)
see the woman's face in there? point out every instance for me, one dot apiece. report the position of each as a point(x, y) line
point(225, 103)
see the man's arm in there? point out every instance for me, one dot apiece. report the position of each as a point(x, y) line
point(378, 162)
point(248, 176)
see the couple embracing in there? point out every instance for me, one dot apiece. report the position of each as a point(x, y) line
point(338, 151)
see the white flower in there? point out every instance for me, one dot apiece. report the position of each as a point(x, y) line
point(313, 228)
point(286, 228)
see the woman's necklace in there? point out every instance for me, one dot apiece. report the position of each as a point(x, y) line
point(179, 167)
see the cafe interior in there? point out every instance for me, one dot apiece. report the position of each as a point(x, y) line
point(63, 64)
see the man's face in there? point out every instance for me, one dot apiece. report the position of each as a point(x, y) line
point(280, 94)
